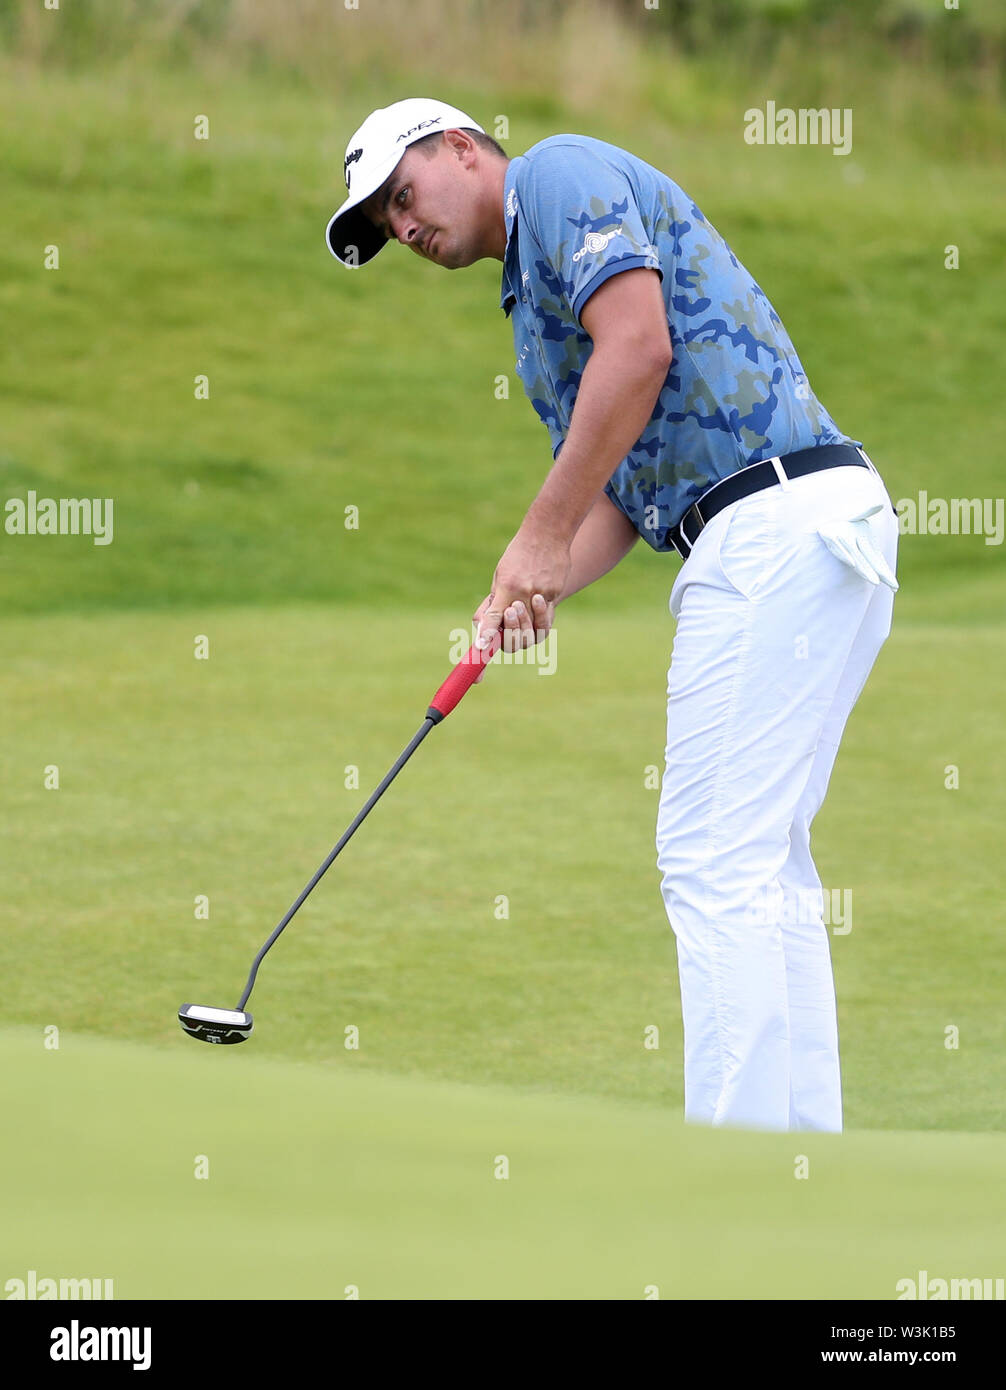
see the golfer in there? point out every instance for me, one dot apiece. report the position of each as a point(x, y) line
point(677, 410)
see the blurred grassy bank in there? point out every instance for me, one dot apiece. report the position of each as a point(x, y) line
point(181, 258)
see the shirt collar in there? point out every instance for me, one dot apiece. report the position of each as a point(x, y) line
point(510, 210)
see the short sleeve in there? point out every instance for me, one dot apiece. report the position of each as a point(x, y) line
point(582, 211)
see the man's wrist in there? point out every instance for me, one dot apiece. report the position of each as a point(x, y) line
point(557, 523)
point(559, 519)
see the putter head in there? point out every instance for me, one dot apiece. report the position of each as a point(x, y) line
point(215, 1025)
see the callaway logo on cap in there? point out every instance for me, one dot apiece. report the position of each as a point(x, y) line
point(372, 156)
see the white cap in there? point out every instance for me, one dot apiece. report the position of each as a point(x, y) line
point(372, 156)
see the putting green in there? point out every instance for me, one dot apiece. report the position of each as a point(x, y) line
point(498, 919)
point(321, 1181)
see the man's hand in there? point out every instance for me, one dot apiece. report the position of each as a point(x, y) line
point(529, 579)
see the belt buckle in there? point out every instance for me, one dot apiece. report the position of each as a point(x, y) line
point(679, 540)
point(681, 526)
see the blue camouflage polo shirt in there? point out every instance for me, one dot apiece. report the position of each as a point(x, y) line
point(578, 211)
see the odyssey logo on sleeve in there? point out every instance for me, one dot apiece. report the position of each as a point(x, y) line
point(594, 242)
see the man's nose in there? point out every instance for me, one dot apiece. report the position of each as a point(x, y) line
point(405, 229)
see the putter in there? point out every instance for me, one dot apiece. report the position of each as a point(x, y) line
point(214, 1025)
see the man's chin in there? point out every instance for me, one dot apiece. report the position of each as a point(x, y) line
point(455, 258)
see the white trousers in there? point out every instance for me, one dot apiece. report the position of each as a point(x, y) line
point(775, 639)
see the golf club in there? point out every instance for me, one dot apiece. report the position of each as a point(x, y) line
point(215, 1025)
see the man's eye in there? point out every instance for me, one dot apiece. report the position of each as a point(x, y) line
point(400, 195)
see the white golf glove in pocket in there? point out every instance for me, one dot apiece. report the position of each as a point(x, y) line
point(852, 542)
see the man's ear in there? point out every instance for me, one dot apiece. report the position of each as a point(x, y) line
point(461, 144)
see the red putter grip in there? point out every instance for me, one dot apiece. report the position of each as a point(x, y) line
point(462, 678)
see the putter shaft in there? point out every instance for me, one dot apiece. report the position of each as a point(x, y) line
point(428, 723)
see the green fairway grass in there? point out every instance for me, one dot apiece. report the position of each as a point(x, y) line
point(226, 778)
point(323, 1182)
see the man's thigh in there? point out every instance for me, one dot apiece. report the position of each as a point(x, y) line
point(767, 620)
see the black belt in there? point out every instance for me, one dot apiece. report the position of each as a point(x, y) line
point(755, 478)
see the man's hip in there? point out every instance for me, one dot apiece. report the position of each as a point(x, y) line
point(758, 477)
point(767, 539)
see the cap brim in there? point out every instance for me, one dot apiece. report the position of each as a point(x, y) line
point(351, 236)
point(353, 239)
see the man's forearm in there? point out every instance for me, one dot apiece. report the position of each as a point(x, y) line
point(617, 394)
point(605, 537)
